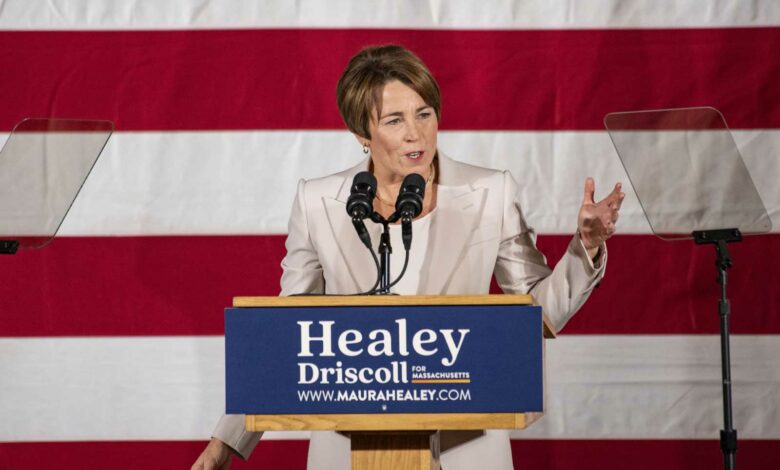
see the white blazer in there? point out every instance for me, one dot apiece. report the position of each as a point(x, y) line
point(477, 230)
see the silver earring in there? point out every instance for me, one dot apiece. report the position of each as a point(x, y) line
point(365, 148)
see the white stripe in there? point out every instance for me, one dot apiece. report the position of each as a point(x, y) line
point(169, 388)
point(119, 388)
point(658, 387)
point(431, 14)
point(194, 183)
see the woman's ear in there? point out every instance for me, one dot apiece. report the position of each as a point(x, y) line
point(365, 143)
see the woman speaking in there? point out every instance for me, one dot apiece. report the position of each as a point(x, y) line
point(471, 227)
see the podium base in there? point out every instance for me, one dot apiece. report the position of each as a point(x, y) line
point(393, 450)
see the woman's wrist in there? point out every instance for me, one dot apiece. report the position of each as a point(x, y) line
point(593, 251)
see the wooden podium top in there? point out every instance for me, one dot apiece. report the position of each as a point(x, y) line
point(391, 422)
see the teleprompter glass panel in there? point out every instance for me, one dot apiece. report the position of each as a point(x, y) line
point(687, 171)
point(43, 165)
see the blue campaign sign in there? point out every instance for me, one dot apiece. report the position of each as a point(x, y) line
point(387, 359)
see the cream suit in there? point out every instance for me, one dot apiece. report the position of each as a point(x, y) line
point(477, 230)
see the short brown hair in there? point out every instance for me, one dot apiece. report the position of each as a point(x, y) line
point(359, 90)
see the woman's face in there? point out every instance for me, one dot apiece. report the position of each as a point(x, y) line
point(403, 138)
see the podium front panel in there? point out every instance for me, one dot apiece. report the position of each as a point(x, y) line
point(384, 359)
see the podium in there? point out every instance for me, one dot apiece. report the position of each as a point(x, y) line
point(388, 371)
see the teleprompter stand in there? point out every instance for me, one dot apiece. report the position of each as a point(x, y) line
point(691, 182)
point(721, 239)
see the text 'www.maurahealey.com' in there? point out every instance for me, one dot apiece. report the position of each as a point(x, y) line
point(451, 394)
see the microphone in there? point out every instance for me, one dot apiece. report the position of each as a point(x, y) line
point(360, 203)
point(410, 197)
point(361, 196)
point(409, 204)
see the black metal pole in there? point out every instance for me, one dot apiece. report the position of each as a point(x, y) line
point(728, 435)
point(721, 238)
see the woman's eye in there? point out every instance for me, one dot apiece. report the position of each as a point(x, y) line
point(393, 122)
point(425, 115)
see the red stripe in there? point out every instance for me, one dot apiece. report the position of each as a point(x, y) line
point(694, 118)
point(658, 287)
point(179, 285)
point(640, 454)
point(291, 455)
point(286, 79)
point(276, 455)
point(63, 125)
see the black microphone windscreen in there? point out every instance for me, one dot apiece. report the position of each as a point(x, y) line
point(410, 198)
point(364, 178)
point(416, 181)
point(361, 195)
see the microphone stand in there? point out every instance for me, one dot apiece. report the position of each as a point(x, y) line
point(385, 250)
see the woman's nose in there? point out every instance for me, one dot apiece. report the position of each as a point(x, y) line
point(412, 132)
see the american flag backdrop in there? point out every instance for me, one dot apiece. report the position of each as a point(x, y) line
point(111, 354)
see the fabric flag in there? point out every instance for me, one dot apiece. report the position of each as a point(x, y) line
point(111, 348)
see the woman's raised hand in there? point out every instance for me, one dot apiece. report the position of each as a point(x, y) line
point(596, 220)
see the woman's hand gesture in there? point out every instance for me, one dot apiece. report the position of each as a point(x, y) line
point(596, 220)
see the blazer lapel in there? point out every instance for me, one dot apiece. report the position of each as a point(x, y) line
point(458, 209)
